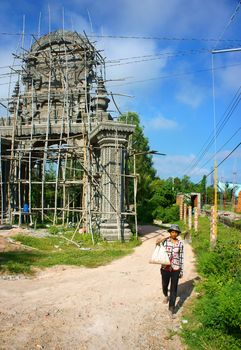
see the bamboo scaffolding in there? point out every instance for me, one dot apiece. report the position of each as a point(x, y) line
point(11, 166)
point(46, 140)
point(1, 182)
point(30, 156)
point(57, 170)
point(66, 104)
point(74, 167)
point(118, 210)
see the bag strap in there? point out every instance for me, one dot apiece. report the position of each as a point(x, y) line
point(165, 239)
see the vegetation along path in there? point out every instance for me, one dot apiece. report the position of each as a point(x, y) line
point(117, 306)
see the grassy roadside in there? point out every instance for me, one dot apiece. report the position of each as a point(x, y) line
point(56, 250)
point(214, 317)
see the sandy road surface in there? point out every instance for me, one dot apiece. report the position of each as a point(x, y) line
point(118, 306)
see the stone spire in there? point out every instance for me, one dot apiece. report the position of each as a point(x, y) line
point(100, 102)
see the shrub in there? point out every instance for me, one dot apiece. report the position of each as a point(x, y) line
point(223, 310)
point(216, 314)
point(223, 261)
point(169, 214)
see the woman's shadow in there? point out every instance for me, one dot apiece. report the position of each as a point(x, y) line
point(184, 291)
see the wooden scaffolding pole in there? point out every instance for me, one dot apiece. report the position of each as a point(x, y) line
point(64, 187)
point(1, 182)
point(118, 194)
point(66, 104)
point(12, 167)
point(19, 189)
point(30, 159)
point(46, 139)
point(57, 169)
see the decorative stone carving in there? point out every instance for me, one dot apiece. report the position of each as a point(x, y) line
point(112, 139)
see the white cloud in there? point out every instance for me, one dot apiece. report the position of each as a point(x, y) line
point(174, 166)
point(223, 154)
point(178, 17)
point(190, 94)
point(228, 78)
point(160, 123)
point(131, 72)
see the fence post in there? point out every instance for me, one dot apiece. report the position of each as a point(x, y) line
point(196, 219)
point(185, 213)
point(181, 209)
point(189, 217)
point(213, 232)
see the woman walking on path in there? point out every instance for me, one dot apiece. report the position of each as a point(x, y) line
point(174, 271)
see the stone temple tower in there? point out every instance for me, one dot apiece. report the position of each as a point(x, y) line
point(62, 155)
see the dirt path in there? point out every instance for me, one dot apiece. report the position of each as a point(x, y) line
point(118, 306)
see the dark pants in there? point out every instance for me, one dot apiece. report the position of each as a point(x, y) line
point(166, 277)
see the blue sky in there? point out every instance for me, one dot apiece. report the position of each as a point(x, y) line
point(167, 70)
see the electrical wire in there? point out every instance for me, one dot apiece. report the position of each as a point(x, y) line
point(229, 22)
point(220, 149)
point(115, 61)
point(222, 126)
point(224, 159)
point(226, 116)
point(157, 57)
point(213, 139)
point(177, 75)
point(159, 54)
point(137, 37)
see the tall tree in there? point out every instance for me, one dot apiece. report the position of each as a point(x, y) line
point(144, 165)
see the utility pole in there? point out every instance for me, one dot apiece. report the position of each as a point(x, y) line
point(214, 231)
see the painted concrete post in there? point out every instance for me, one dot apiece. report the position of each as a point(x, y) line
point(185, 213)
point(213, 233)
point(189, 217)
point(181, 209)
point(238, 208)
point(196, 219)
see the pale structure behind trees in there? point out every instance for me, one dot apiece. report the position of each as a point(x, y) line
point(58, 120)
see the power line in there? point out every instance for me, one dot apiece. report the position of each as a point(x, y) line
point(203, 165)
point(229, 22)
point(157, 57)
point(225, 158)
point(161, 38)
point(116, 61)
point(153, 56)
point(213, 139)
point(136, 37)
point(226, 116)
point(217, 133)
point(174, 75)
point(161, 54)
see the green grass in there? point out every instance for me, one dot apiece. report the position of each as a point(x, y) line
point(55, 250)
point(214, 318)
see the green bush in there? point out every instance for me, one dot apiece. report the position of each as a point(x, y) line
point(169, 214)
point(215, 318)
point(210, 339)
point(222, 309)
point(223, 260)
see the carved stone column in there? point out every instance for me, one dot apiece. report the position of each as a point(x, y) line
point(112, 139)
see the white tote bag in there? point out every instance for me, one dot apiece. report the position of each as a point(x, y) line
point(160, 256)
